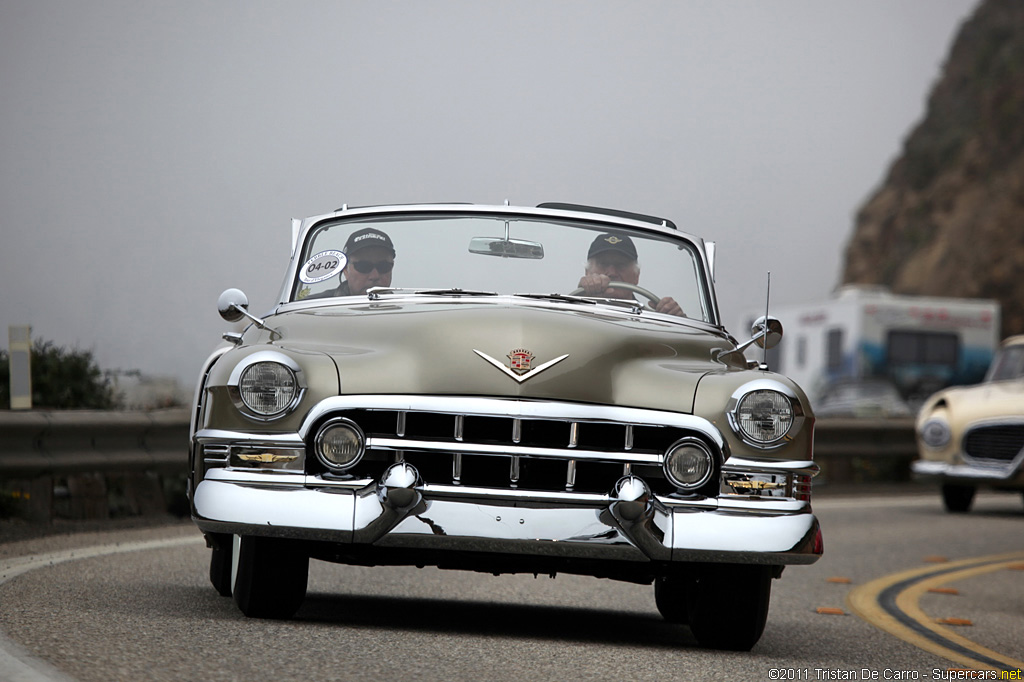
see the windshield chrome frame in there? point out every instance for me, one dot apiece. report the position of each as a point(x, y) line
point(502, 212)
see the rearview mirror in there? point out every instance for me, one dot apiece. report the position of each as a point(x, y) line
point(506, 248)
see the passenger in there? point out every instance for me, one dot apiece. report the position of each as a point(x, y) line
point(371, 258)
point(612, 258)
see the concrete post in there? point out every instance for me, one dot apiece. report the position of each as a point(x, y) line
point(20, 339)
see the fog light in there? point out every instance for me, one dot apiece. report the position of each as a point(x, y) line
point(340, 444)
point(688, 464)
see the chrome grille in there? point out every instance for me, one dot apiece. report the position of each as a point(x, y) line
point(496, 451)
point(1000, 442)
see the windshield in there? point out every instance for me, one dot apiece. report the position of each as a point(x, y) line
point(1009, 364)
point(503, 255)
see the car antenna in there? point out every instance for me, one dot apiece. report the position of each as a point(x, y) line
point(767, 300)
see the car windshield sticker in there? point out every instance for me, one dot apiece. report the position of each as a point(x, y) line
point(321, 266)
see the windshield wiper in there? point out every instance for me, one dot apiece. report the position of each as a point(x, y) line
point(558, 297)
point(635, 306)
point(376, 292)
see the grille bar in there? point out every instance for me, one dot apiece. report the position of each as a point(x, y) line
point(404, 444)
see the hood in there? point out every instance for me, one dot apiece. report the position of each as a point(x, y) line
point(984, 401)
point(438, 348)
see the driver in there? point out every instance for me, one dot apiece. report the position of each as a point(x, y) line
point(612, 258)
point(371, 258)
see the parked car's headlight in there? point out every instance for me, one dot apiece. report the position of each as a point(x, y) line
point(688, 464)
point(762, 414)
point(266, 385)
point(935, 433)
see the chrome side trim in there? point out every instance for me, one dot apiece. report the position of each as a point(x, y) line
point(258, 477)
point(742, 464)
point(249, 439)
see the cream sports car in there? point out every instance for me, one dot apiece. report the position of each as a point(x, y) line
point(501, 389)
point(971, 437)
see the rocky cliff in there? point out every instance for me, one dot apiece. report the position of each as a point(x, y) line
point(948, 219)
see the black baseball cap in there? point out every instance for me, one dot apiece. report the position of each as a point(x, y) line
point(368, 236)
point(612, 242)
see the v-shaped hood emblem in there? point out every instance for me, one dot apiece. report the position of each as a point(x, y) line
point(519, 361)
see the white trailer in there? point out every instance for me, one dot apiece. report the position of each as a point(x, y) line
point(919, 343)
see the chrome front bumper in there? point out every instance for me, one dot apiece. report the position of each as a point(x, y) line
point(974, 474)
point(629, 524)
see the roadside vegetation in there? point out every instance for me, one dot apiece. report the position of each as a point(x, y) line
point(62, 379)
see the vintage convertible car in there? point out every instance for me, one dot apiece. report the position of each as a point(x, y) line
point(521, 399)
point(973, 436)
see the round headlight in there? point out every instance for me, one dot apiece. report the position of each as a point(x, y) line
point(688, 464)
point(340, 444)
point(764, 416)
point(935, 433)
point(267, 388)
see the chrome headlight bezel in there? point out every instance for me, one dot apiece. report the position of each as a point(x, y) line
point(737, 404)
point(293, 370)
point(935, 433)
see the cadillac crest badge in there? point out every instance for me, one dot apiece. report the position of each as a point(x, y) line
point(519, 360)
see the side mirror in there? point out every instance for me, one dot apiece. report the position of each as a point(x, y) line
point(767, 331)
point(232, 305)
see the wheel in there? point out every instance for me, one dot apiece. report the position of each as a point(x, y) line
point(220, 563)
point(628, 287)
point(957, 498)
point(729, 606)
point(672, 597)
point(269, 576)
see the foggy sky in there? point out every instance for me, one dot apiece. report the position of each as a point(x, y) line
point(152, 153)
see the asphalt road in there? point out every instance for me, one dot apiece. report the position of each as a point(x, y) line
point(136, 605)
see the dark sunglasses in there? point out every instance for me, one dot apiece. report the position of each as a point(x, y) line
point(367, 266)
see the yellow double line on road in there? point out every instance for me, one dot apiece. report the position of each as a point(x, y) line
point(892, 604)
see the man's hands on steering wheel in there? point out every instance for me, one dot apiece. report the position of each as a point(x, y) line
point(602, 285)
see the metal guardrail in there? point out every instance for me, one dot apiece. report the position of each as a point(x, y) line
point(41, 446)
point(55, 443)
point(864, 450)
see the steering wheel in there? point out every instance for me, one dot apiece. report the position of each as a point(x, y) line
point(628, 287)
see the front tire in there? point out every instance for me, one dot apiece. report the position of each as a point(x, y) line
point(269, 577)
point(729, 606)
point(220, 562)
point(672, 596)
point(957, 498)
